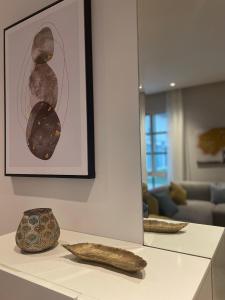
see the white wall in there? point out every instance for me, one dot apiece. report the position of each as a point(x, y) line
point(111, 204)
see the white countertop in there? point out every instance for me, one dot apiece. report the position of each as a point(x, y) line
point(194, 239)
point(168, 275)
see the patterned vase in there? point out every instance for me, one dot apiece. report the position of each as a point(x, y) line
point(37, 231)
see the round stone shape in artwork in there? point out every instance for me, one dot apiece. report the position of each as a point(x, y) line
point(43, 130)
point(43, 85)
point(43, 46)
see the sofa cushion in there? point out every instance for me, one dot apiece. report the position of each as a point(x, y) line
point(196, 211)
point(178, 194)
point(145, 210)
point(164, 188)
point(166, 205)
point(218, 193)
point(144, 187)
point(152, 202)
point(197, 190)
point(219, 215)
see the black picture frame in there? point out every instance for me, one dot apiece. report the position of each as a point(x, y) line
point(89, 113)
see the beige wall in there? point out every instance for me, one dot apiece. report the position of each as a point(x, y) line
point(156, 103)
point(110, 205)
point(204, 108)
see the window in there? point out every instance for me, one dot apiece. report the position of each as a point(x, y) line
point(156, 136)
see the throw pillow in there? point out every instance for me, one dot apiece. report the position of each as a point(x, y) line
point(151, 201)
point(144, 187)
point(145, 210)
point(178, 194)
point(166, 205)
point(218, 193)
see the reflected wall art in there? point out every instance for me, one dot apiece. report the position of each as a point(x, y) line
point(211, 148)
point(49, 123)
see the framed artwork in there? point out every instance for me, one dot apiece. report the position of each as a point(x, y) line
point(211, 147)
point(49, 122)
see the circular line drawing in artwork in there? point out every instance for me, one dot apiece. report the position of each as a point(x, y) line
point(65, 70)
point(39, 90)
point(21, 87)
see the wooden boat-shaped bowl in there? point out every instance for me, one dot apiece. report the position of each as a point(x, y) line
point(118, 258)
point(163, 227)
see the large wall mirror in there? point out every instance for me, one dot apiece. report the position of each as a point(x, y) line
point(182, 115)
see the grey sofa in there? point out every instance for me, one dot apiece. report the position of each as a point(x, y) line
point(199, 208)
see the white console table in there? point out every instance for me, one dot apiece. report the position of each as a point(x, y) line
point(199, 240)
point(56, 275)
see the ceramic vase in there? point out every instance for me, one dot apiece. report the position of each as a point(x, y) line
point(37, 231)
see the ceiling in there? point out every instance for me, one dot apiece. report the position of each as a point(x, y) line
point(181, 41)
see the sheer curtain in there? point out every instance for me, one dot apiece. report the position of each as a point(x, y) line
point(142, 132)
point(175, 135)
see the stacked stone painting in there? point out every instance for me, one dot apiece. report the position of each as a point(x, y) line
point(43, 127)
point(49, 109)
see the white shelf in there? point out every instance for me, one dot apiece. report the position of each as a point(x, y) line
point(168, 275)
point(200, 240)
point(194, 239)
